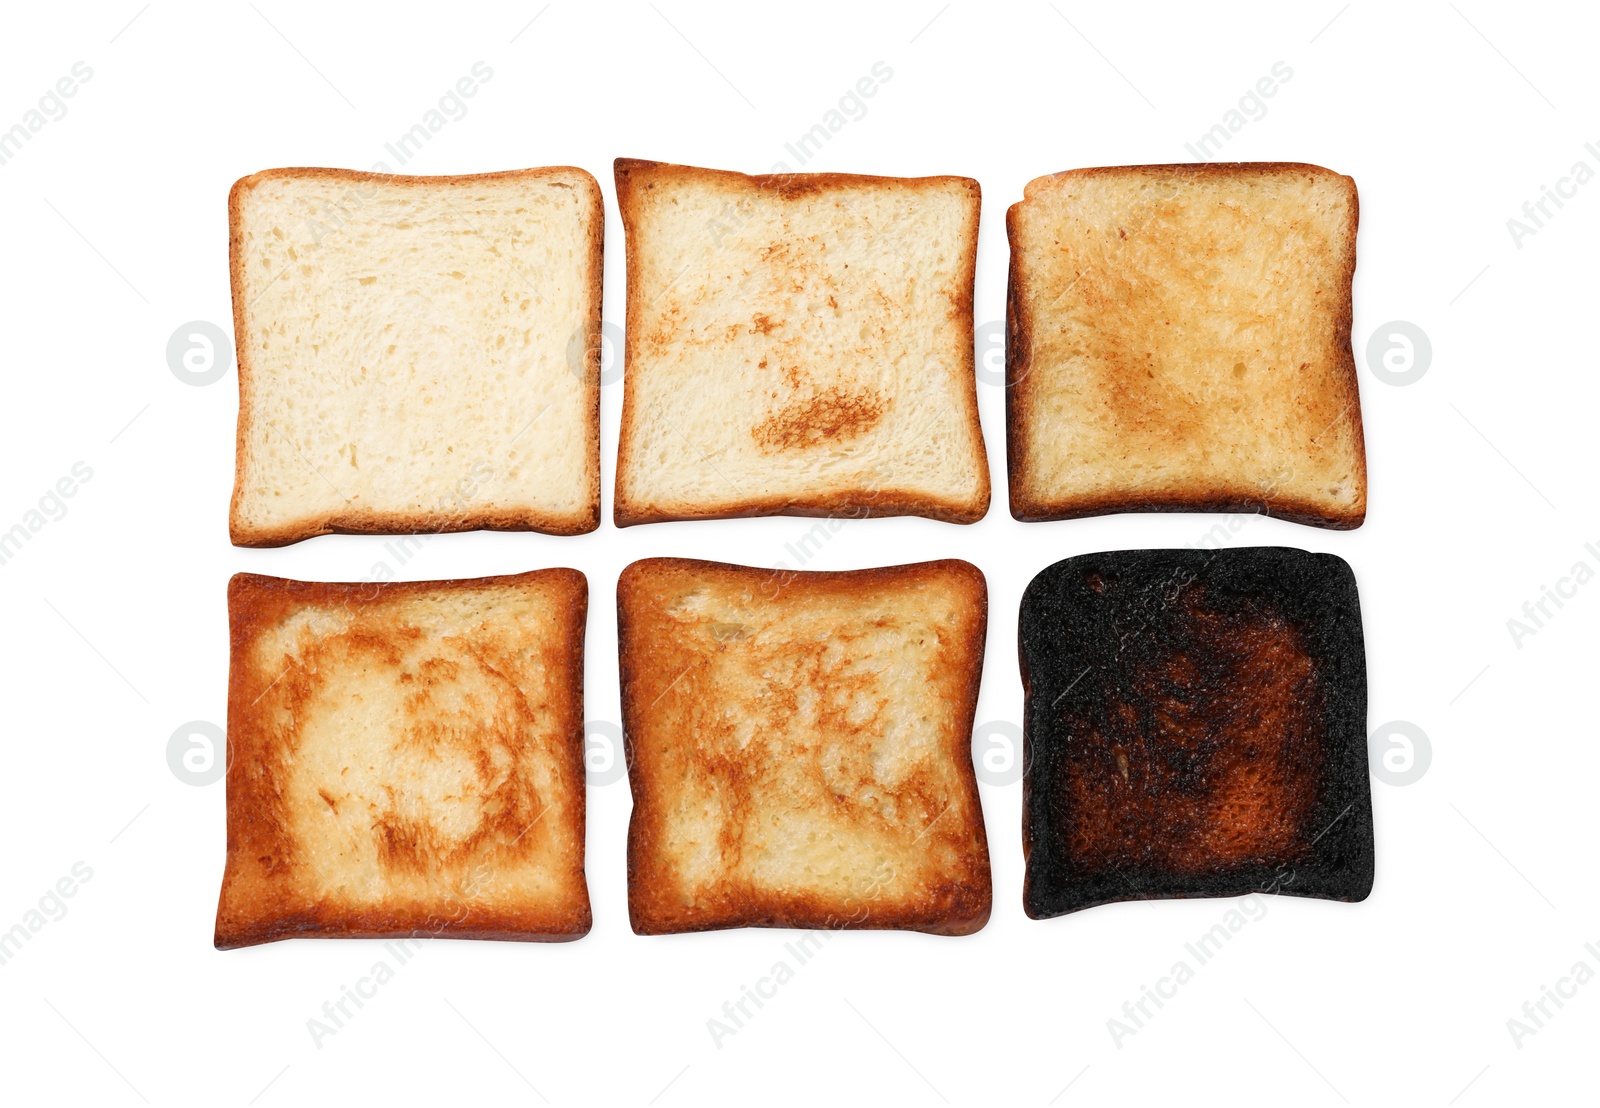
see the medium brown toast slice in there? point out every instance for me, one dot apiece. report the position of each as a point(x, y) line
point(406, 758)
point(1179, 340)
point(798, 344)
point(416, 354)
point(799, 746)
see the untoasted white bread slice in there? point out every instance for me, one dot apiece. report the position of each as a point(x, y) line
point(799, 746)
point(1179, 340)
point(406, 758)
point(798, 344)
point(416, 354)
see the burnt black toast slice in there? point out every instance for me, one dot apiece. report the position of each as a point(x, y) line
point(1195, 725)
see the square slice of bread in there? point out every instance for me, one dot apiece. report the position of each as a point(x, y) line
point(798, 344)
point(800, 747)
point(416, 354)
point(1178, 339)
point(1195, 725)
point(406, 759)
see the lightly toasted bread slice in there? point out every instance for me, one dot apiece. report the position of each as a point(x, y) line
point(798, 344)
point(406, 759)
point(1195, 725)
point(800, 747)
point(416, 354)
point(1178, 339)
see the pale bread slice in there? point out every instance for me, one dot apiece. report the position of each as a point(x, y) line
point(1179, 340)
point(800, 746)
point(406, 759)
point(798, 344)
point(416, 354)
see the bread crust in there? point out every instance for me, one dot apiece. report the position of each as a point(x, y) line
point(632, 174)
point(242, 533)
point(1032, 505)
point(253, 906)
point(966, 897)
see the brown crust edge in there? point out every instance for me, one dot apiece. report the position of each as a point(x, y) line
point(400, 523)
point(248, 595)
point(640, 915)
point(1019, 329)
point(626, 513)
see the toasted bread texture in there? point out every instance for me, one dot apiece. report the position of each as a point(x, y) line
point(416, 354)
point(1178, 339)
point(406, 759)
point(798, 344)
point(799, 747)
point(1195, 726)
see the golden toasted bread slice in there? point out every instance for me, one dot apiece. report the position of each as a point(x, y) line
point(798, 344)
point(799, 746)
point(1179, 340)
point(406, 758)
point(416, 354)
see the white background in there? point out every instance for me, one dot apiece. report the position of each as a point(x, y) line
point(1481, 483)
